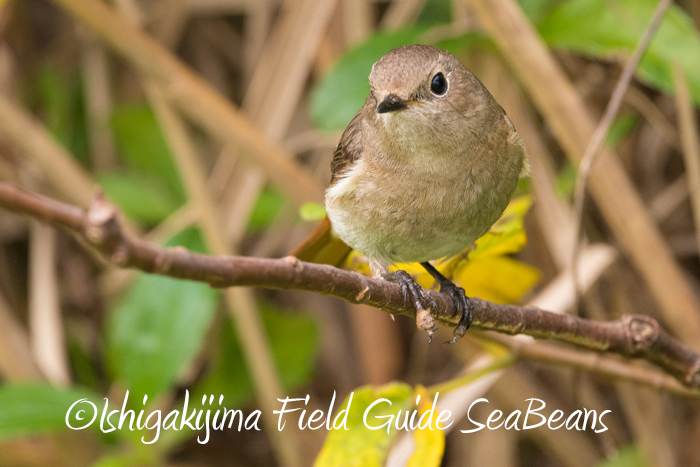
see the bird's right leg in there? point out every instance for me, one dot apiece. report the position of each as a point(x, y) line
point(461, 301)
point(409, 288)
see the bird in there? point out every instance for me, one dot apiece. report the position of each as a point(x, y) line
point(425, 168)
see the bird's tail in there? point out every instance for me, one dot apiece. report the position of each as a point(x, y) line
point(322, 246)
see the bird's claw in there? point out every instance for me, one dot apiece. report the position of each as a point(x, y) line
point(464, 307)
point(430, 333)
point(410, 289)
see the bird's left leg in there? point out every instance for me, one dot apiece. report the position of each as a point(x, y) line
point(409, 287)
point(465, 307)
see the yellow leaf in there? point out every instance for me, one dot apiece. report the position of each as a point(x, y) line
point(356, 261)
point(507, 234)
point(358, 446)
point(429, 444)
point(482, 269)
point(498, 279)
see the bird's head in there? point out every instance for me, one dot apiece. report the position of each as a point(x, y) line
point(423, 96)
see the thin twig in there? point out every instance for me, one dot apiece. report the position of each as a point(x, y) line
point(591, 361)
point(601, 131)
point(631, 336)
point(690, 141)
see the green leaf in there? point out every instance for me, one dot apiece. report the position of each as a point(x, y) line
point(628, 456)
point(435, 12)
point(293, 339)
point(140, 197)
point(158, 328)
point(266, 209)
point(62, 109)
point(82, 366)
point(537, 10)
point(33, 408)
point(601, 28)
point(460, 44)
point(566, 179)
point(342, 91)
point(621, 127)
point(359, 446)
point(312, 211)
point(140, 141)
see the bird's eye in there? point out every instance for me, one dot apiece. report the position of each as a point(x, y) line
point(439, 84)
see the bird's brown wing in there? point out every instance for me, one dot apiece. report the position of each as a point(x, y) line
point(322, 246)
point(349, 149)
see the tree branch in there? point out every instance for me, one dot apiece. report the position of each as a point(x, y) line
point(636, 336)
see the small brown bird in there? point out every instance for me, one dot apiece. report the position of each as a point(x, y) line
point(423, 170)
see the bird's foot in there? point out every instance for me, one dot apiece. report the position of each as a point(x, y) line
point(463, 305)
point(410, 288)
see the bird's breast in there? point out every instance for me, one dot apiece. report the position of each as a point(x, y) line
point(414, 214)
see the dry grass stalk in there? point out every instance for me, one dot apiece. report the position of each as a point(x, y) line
point(67, 178)
point(570, 447)
point(45, 322)
point(240, 302)
point(601, 130)
point(197, 99)
point(646, 107)
point(357, 20)
point(98, 105)
point(690, 141)
point(284, 66)
point(16, 361)
point(670, 198)
point(401, 13)
point(612, 189)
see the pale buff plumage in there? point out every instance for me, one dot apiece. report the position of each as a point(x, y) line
point(426, 181)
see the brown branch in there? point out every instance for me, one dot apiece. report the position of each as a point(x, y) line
point(632, 336)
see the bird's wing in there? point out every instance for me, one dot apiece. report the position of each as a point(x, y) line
point(349, 149)
point(322, 246)
point(514, 138)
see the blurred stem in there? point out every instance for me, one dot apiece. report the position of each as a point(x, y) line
point(688, 124)
point(598, 137)
point(402, 13)
point(240, 302)
point(589, 361)
point(45, 323)
point(196, 99)
point(98, 104)
point(66, 176)
point(16, 362)
point(447, 386)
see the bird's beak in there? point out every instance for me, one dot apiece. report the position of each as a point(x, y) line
point(391, 103)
